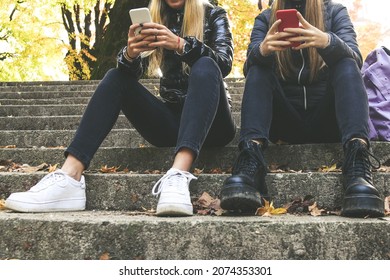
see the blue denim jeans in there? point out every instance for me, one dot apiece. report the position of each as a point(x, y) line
point(204, 119)
point(341, 115)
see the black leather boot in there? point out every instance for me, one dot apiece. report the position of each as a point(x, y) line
point(361, 198)
point(243, 190)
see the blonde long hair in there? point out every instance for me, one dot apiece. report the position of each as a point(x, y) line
point(193, 25)
point(314, 14)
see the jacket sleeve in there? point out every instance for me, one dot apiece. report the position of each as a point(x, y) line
point(134, 68)
point(343, 41)
point(220, 43)
point(259, 31)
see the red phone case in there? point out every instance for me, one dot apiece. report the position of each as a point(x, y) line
point(289, 20)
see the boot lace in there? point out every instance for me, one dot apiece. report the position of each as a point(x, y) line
point(358, 162)
point(247, 163)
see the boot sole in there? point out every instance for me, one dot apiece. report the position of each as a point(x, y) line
point(360, 206)
point(240, 198)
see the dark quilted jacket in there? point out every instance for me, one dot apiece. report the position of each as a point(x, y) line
point(299, 90)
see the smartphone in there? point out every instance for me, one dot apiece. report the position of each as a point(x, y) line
point(140, 15)
point(289, 20)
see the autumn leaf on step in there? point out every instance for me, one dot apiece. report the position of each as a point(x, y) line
point(332, 168)
point(25, 168)
point(105, 256)
point(314, 211)
point(152, 171)
point(52, 168)
point(387, 206)
point(2, 204)
point(207, 205)
point(216, 171)
point(105, 169)
point(268, 210)
point(198, 171)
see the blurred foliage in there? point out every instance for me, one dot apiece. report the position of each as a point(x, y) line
point(72, 39)
point(30, 44)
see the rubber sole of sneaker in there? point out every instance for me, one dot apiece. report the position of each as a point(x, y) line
point(360, 206)
point(240, 198)
point(55, 206)
point(173, 210)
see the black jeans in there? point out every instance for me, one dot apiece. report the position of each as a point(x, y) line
point(205, 118)
point(341, 115)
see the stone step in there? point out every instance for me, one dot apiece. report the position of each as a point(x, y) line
point(59, 109)
point(129, 191)
point(229, 80)
point(61, 94)
point(62, 122)
point(309, 157)
point(48, 101)
point(125, 236)
point(66, 98)
point(22, 87)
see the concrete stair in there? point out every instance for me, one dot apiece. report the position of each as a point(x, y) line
point(38, 119)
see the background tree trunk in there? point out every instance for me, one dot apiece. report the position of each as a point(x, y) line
point(114, 37)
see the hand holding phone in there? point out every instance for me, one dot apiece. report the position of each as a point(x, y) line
point(289, 20)
point(140, 15)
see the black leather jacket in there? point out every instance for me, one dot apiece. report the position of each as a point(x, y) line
point(299, 90)
point(217, 44)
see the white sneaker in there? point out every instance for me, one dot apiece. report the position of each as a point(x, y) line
point(173, 189)
point(55, 192)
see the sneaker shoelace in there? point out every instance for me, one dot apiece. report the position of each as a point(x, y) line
point(172, 179)
point(48, 180)
point(358, 159)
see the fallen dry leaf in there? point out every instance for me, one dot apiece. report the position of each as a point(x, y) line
point(207, 205)
point(387, 206)
point(152, 171)
point(299, 205)
point(105, 169)
point(383, 168)
point(134, 198)
point(52, 168)
point(25, 168)
point(332, 168)
point(198, 171)
point(268, 210)
point(2, 204)
point(105, 256)
point(216, 171)
point(314, 211)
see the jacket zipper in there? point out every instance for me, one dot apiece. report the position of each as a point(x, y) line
point(299, 80)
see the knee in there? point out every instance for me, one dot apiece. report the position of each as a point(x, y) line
point(346, 69)
point(114, 75)
point(205, 68)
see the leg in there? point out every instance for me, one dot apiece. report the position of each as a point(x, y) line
point(64, 190)
point(205, 118)
point(242, 191)
point(119, 91)
point(361, 198)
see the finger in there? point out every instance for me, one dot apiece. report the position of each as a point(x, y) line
point(302, 20)
point(274, 27)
